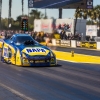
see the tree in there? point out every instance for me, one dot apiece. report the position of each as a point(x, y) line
point(22, 7)
point(36, 14)
point(0, 11)
point(20, 17)
point(76, 16)
point(18, 20)
point(93, 14)
point(97, 14)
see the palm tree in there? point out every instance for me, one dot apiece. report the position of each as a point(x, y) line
point(22, 7)
point(77, 14)
point(97, 14)
point(36, 14)
point(0, 11)
point(9, 16)
point(93, 14)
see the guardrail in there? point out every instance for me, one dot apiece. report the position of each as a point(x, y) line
point(75, 43)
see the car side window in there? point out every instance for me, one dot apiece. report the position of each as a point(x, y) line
point(13, 39)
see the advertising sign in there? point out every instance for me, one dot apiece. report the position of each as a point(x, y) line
point(78, 43)
point(91, 30)
point(66, 24)
point(89, 4)
point(65, 43)
point(45, 25)
point(56, 3)
point(58, 41)
point(92, 45)
point(30, 3)
point(85, 44)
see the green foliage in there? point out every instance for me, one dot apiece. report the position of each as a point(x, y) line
point(90, 22)
point(16, 24)
point(92, 14)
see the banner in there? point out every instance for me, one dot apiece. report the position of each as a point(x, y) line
point(30, 3)
point(85, 44)
point(58, 41)
point(58, 3)
point(78, 43)
point(65, 43)
point(90, 44)
point(66, 24)
point(45, 25)
point(93, 45)
point(91, 30)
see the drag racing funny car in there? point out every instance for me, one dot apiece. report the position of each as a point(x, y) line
point(23, 50)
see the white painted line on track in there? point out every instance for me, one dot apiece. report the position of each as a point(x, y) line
point(16, 92)
point(78, 62)
point(67, 60)
point(75, 53)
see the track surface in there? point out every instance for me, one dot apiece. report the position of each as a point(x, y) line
point(67, 81)
point(77, 50)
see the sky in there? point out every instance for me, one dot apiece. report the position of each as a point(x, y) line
point(16, 9)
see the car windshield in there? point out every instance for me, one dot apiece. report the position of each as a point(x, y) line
point(22, 39)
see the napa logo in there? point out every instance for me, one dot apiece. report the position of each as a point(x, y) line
point(31, 50)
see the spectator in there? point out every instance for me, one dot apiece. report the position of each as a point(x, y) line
point(59, 27)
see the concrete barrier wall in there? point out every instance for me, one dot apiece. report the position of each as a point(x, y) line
point(75, 43)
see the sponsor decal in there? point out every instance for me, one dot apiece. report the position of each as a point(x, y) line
point(78, 43)
point(65, 42)
point(30, 50)
point(40, 61)
point(30, 3)
point(5, 54)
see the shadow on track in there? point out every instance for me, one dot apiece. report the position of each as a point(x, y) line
point(58, 65)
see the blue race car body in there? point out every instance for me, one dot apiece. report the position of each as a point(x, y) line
point(23, 50)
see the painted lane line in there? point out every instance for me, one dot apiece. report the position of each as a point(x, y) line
point(64, 79)
point(16, 92)
point(78, 62)
point(76, 54)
